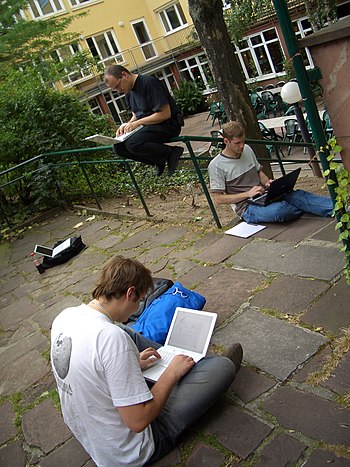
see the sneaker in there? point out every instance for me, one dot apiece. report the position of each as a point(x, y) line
point(160, 170)
point(235, 354)
point(173, 160)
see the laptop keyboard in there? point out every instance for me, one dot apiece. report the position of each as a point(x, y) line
point(166, 356)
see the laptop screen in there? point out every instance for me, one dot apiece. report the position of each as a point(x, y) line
point(190, 330)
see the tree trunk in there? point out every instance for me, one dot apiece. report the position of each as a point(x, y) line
point(207, 16)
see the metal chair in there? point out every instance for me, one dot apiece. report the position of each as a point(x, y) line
point(292, 132)
point(271, 135)
point(259, 88)
point(255, 99)
point(215, 145)
point(280, 84)
point(269, 86)
point(327, 124)
point(269, 100)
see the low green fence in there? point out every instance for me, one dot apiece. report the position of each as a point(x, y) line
point(14, 179)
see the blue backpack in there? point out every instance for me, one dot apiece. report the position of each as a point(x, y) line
point(155, 321)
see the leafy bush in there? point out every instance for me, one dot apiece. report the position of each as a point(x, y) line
point(189, 97)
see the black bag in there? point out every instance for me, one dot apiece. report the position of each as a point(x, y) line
point(160, 286)
point(76, 246)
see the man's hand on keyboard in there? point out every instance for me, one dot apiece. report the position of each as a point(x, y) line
point(180, 365)
point(148, 357)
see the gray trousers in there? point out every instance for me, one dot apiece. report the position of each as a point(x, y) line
point(192, 396)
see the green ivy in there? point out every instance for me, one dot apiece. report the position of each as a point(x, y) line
point(337, 172)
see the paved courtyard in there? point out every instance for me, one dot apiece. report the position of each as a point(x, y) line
point(280, 293)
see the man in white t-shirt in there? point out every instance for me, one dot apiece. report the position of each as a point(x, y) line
point(236, 176)
point(98, 366)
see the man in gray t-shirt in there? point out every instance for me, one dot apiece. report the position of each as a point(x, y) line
point(236, 176)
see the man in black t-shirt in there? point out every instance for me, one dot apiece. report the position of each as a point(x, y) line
point(152, 107)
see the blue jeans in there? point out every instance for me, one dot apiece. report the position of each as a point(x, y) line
point(192, 396)
point(291, 207)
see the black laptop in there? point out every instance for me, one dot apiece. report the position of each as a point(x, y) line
point(277, 190)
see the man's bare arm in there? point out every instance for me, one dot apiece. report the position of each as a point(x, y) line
point(137, 417)
point(224, 198)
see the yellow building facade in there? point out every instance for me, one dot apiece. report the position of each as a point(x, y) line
point(145, 36)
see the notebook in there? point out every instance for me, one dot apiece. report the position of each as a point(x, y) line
point(109, 140)
point(278, 188)
point(189, 334)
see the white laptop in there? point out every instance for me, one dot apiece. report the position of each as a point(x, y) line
point(109, 140)
point(189, 334)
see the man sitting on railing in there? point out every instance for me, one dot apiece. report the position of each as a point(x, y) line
point(155, 110)
point(236, 176)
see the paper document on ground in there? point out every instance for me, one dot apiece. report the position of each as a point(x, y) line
point(62, 246)
point(245, 230)
point(109, 140)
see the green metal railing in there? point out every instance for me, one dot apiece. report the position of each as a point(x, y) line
point(52, 159)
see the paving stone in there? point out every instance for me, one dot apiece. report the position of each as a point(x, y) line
point(297, 294)
point(43, 427)
point(327, 234)
point(205, 456)
point(32, 393)
point(329, 311)
point(248, 384)
point(272, 230)
point(150, 256)
point(22, 373)
point(339, 381)
point(86, 259)
point(182, 267)
point(237, 286)
point(45, 317)
point(12, 284)
point(7, 418)
point(197, 275)
point(108, 242)
point(282, 450)
point(86, 285)
point(314, 364)
point(26, 289)
point(27, 329)
point(167, 236)
point(138, 238)
point(70, 454)
point(5, 253)
point(272, 345)
point(303, 228)
point(245, 432)
point(325, 459)
point(325, 420)
point(305, 260)
point(159, 268)
point(12, 455)
point(19, 347)
point(172, 458)
point(221, 249)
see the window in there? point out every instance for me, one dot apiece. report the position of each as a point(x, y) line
point(41, 8)
point(166, 76)
point(75, 74)
point(196, 68)
point(104, 47)
point(78, 2)
point(302, 28)
point(117, 106)
point(261, 55)
point(173, 18)
point(144, 39)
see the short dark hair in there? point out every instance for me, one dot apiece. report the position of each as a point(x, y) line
point(119, 274)
point(233, 129)
point(116, 71)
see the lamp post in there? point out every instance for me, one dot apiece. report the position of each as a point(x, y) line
point(290, 93)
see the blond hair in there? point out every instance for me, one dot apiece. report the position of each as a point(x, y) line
point(233, 129)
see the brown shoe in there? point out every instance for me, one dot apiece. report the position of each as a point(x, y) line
point(235, 354)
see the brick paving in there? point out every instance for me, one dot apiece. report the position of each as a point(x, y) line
point(281, 293)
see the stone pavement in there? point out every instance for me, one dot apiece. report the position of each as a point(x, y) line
point(280, 293)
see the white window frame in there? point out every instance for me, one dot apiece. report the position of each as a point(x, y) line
point(264, 43)
point(301, 32)
point(79, 3)
point(117, 56)
point(40, 11)
point(84, 74)
point(163, 17)
point(144, 44)
point(200, 59)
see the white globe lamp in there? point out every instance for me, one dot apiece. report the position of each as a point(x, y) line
point(290, 92)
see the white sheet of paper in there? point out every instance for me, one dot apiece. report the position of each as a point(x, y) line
point(245, 230)
point(61, 247)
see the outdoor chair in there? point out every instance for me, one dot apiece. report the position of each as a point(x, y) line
point(269, 100)
point(260, 111)
point(282, 106)
point(327, 124)
point(292, 132)
point(215, 146)
point(269, 86)
point(280, 84)
point(270, 135)
point(255, 99)
point(259, 88)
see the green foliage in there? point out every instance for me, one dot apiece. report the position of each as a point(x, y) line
point(337, 172)
point(189, 97)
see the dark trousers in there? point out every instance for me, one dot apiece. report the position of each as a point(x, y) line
point(147, 145)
